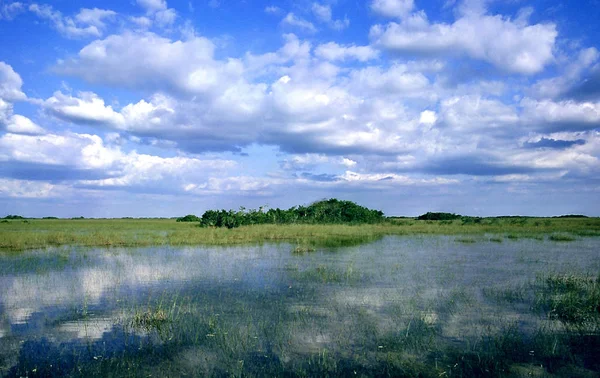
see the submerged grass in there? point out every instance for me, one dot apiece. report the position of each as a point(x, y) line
point(39, 233)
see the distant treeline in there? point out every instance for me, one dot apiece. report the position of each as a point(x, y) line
point(439, 216)
point(326, 211)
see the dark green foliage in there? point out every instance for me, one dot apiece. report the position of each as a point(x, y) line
point(50, 218)
point(13, 217)
point(331, 211)
point(439, 216)
point(189, 218)
point(571, 216)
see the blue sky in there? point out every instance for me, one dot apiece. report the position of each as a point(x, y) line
point(161, 108)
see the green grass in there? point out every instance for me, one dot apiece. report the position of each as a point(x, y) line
point(39, 233)
point(561, 238)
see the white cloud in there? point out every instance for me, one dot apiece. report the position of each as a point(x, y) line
point(323, 13)
point(464, 113)
point(334, 52)
point(393, 8)
point(11, 10)
point(115, 168)
point(142, 22)
point(10, 84)
point(87, 108)
point(428, 117)
point(272, 9)
point(148, 61)
point(558, 85)
point(13, 188)
point(19, 124)
point(95, 17)
point(65, 25)
point(398, 79)
point(391, 179)
point(294, 21)
point(507, 44)
point(562, 115)
point(152, 6)
point(166, 17)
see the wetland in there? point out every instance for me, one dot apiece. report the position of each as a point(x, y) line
point(512, 303)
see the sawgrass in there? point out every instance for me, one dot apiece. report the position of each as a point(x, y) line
point(18, 235)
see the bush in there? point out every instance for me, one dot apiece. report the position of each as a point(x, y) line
point(189, 218)
point(438, 216)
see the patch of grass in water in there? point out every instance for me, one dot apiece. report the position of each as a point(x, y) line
point(496, 239)
point(150, 320)
point(303, 249)
point(328, 274)
point(465, 240)
point(571, 299)
point(561, 238)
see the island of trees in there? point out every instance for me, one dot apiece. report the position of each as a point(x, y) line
point(321, 212)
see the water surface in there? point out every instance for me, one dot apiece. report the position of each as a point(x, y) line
point(259, 310)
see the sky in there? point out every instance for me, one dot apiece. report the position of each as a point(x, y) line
point(161, 108)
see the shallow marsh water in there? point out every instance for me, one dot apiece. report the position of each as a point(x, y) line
point(396, 306)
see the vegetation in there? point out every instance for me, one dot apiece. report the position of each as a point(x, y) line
point(13, 217)
point(189, 218)
point(330, 211)
point(439, 216)
point(41, 233)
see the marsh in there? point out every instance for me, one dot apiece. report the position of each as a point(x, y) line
point(396, 306)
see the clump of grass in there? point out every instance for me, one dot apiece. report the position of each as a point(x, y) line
point(466, 240)
point(512, 236)
point(561, 238)
point(150, 320)
point(328, 274)
point(571, 299)
point(303, 249)
point(496, 240)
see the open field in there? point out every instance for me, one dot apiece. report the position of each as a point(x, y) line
point(18, 235)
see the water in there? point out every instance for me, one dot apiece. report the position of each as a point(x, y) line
point(264, 310)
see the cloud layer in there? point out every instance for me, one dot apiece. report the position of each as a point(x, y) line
point(415, 103)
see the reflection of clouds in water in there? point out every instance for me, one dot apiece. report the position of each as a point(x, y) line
point(29, 293)
point(91, 328)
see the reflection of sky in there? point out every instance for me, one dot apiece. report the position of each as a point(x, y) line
point(43, 297)
point(109, 274)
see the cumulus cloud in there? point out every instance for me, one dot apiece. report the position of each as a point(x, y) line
point(67, 26)
point(562, 115)
point(11, 10)
point(466, 113)
point(152, 6)
point(13, 188)
point(393, 8)
point(334, 52)
point(19, 124)
point(510, 45)
point(148, 61)
point(294, 21)
point(570, 79)
point(10, 84)
point(323, 13)
point(95, 16)
point(86, 161)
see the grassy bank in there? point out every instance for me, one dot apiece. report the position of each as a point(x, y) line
point(38, 233)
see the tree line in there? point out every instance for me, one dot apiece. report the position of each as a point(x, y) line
point(325, 211)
